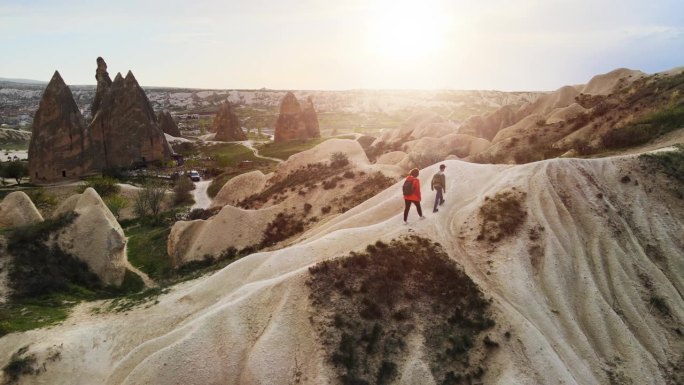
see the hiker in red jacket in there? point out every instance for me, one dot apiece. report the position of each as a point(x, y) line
point(411, 190)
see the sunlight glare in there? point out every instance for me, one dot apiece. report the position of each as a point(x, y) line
point(404, 29)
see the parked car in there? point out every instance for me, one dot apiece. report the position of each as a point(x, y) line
point(194, 176)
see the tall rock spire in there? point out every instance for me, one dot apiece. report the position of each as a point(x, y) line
point(227, 125)
point(58, 147)
point(295, 122)
point(167, 124)
point(103, 84)
point(125, 130)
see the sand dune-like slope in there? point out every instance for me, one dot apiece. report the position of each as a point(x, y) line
point(573, 286)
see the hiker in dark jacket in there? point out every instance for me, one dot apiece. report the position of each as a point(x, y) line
point(414, 197)
point(439, 184)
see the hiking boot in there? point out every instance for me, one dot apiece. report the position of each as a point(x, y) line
point(441, 203)
point(435, 210)
point(422, 217)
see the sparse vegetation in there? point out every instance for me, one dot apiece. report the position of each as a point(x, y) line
point(116, 203)
point(45, 281)
point(368, 305)
point(203, 213)
point(365, 190)
point(338, 160)
point(181, 191)
point(669, 162)
point(282, 227)
point(502, 215)
point(306, 176)
point(148, 200)
point(104, 185)
point(42, 199)
point(20, 364)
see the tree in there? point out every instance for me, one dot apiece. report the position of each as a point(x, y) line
point(182, 190)
point(15, 170)
point(148, 200)
point(116, 203)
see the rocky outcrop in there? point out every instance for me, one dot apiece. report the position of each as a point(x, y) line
point(295, 122)
point(227, 125)
point(103, 84)
point(95, 237)
point(310, 119)
point(168, 124)
point(59, 145)
point(239, 188)
point(18, 210)
point(124, 132)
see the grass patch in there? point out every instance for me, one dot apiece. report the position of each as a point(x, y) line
point(34, 313)
point(46, 282)
point(283, 150)
point(502, 215)
point(367, 305)
point(231, 154)
point(147, 249)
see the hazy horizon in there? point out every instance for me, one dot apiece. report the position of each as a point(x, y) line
point(532, 45)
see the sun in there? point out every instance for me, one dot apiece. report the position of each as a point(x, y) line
point(402, 29)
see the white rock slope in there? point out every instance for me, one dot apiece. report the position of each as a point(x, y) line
point(577, 296)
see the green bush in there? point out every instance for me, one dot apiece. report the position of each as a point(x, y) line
point(116, 203)
point(181, 191)
point(14, 170)
point(104, 185)
point(148, 200)
point(338, 160)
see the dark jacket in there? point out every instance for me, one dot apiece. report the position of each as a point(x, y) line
point(416, 190)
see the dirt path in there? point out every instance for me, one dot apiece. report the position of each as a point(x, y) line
point(202, 200)
point(250, 144)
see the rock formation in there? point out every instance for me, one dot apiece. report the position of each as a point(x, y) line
point(18, 210)
point(124, 131)
point(227, 125)
point(310, 119)
point(59, 146)
point(239, 188)
point(103, 84)
point(295, 122)
point(168, 124)
point(95, 237)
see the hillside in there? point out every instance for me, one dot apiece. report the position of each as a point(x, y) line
point(562, 271)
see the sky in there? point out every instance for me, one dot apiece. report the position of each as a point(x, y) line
point(504, 45)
